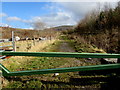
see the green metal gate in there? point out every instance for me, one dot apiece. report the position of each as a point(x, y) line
point(6, 72)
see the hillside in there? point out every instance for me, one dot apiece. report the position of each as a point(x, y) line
point(50, 32)
point(100, 30)
point(61, 28)
point(7, 32)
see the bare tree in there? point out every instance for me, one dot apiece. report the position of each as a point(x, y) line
point(107, 6)
point(38, 25)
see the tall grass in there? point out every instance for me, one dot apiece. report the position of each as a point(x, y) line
point(33, 45)
point(22, 46)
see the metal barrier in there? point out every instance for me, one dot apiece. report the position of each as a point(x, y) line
point(5, 47)
point(6, 72)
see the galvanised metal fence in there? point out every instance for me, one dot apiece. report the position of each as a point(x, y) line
point(6, 72)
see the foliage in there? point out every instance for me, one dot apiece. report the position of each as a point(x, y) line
point(101, 29)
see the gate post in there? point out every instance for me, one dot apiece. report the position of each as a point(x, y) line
point(13, 41)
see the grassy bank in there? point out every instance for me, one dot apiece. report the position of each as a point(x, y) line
point(81, 45)
point(100, 28)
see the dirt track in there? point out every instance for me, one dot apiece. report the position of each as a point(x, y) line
point(65, 47)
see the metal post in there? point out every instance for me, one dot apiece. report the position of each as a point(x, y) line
point(34, 42)
point(13, 41)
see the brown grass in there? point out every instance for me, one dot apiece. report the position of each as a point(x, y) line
point(23, 45)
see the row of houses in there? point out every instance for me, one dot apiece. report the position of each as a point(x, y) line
point(17, 38)
point(28, 38)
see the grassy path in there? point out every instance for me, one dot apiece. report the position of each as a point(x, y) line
point(63, 80)
point(65, 47)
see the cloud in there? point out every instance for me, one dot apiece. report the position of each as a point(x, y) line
point(13, 19)
point(61, 13)
point(4, 25)
point(67, 13)
point(3, 14)
point(29, 28)
point(51, 20)
point(78, 10)
point(55, 19)
point(59, 18)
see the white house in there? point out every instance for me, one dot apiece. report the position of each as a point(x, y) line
point(17, 38)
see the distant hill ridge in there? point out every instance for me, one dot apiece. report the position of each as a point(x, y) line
point(7, 32)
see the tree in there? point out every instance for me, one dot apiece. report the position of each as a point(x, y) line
point(38, 25)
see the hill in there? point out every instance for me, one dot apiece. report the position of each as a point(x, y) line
point(100, 29)
point(61, 28)
point(6, 32)
point(50, 32)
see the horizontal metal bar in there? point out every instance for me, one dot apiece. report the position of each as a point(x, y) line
point(2, 50)
point(8, 50)
point(62, 54)
point(1, 57)
point(61, 70)
point(4, 69)
point(6, 46)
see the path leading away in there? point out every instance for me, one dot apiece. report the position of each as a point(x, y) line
point(65, 47)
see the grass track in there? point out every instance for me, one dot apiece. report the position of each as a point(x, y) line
point(63, 80)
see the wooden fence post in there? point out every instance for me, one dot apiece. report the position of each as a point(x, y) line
point(13, 41)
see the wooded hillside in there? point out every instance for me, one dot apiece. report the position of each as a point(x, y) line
point(101, 29)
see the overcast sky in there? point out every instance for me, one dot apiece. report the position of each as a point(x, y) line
point(21, 14)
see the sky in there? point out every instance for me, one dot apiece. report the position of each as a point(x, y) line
point(23, 14)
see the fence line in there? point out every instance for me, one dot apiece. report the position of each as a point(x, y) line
point(6, 46)
point(6, 72)
point(62, 54)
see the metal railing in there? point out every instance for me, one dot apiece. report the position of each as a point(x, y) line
point(6, 72)
point(6, 47)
